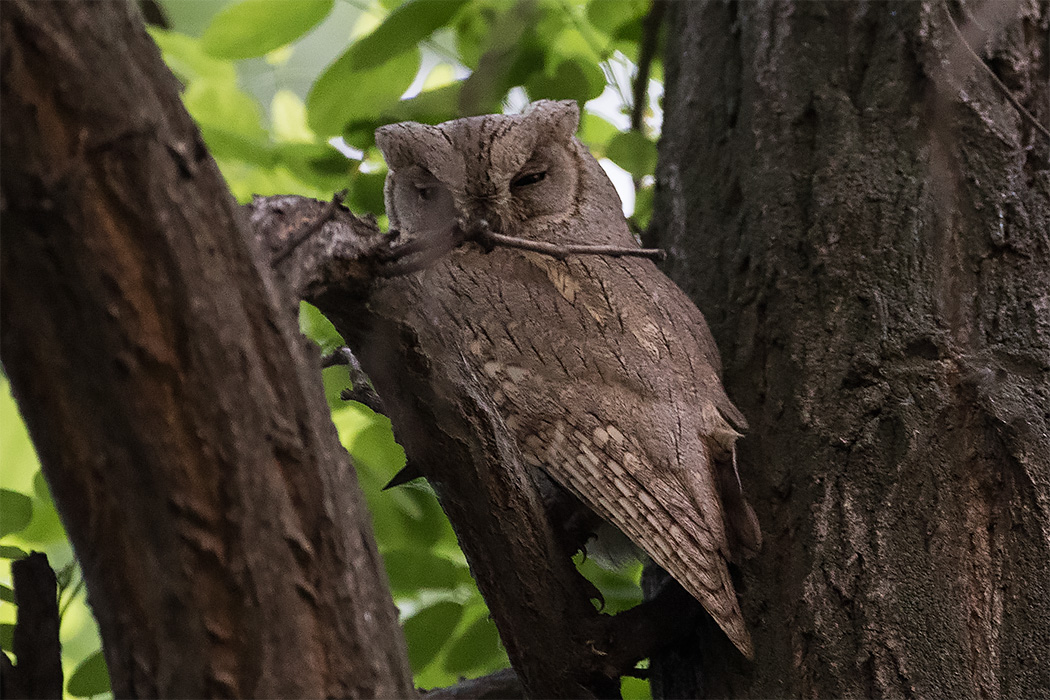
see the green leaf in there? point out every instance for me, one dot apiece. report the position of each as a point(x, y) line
point(315, 326)
point(514, 52)
point(7, 594)
point(40, 488)
point(643, 206)
point(186, 59)
point(318, 163)
point(288, 118)
point(429, 107)
point(255, 27)
point(16, 510)
point(569, 42)
point(402, 30)
point(427, 631)
point(18, 461)
point(427, 529)
point(64, 576)
point(246, 180)
point(220, 105)
point(476, 647)
point(7, 636)
point(336, 379)
point(91, 677)
point(9, 551)
point(227, 145)
point(596, 133)
point(473, 27)
point(633, 152)
point(620, 588)
point(572, 80)
point(344, 94)
point(411, 570)
point(615, 18)
point(366, 192)
point(632, 688)
point(373, 446)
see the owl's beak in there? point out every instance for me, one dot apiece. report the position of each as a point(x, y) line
point(477, 225)
point(474, 227)
point(478, 230)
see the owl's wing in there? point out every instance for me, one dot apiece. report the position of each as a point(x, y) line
point(673, 511)
point(609, 377)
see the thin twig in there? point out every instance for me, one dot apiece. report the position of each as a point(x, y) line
point(310, 229)
point(361, 390)
point(395, 261)
point(995, 79)
point(489, 239)
point(339, 356)
point(77, 587)
point(430, 248)
point(646, 52)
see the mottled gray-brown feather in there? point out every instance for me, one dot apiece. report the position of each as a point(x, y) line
point(603, 369)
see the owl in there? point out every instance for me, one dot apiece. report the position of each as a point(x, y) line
point(602, 369)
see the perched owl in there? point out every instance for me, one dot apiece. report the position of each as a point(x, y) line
point(601, 367)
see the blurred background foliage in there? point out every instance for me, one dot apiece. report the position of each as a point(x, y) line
point(287, 94)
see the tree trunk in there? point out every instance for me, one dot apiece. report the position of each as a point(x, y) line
point(863, 217)
point(177, 411)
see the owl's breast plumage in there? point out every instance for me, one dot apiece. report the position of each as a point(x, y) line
point(609, 323)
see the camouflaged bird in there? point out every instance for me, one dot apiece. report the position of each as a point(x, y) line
point(603, 370)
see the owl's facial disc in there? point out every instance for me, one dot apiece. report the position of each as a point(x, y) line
point(421, 203)
point(546, 185)
point(517, 173)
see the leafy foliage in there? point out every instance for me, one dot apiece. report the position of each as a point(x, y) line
point(25, 493)
point(287, 100)
point(256, 27)
point(91, 677)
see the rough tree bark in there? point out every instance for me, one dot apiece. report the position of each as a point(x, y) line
point(177, 411)
point(862, 216)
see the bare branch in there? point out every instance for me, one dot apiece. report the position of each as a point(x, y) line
point(1005, 91)
point(501, 685)
point(39, 670)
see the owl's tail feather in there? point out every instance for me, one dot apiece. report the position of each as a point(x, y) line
point(742, 528)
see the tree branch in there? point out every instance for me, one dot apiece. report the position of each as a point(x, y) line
point(179, 416)
point(646, 53)
point(986, 69)
point(501, 685)
point(39, 670)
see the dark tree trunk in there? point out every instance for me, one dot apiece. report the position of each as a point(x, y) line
point(177, 411)
point(863, 217)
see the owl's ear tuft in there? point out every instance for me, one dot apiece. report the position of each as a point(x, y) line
point(399, 143)
point(563, 116)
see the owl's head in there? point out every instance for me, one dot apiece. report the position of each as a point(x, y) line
point(507, 169)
